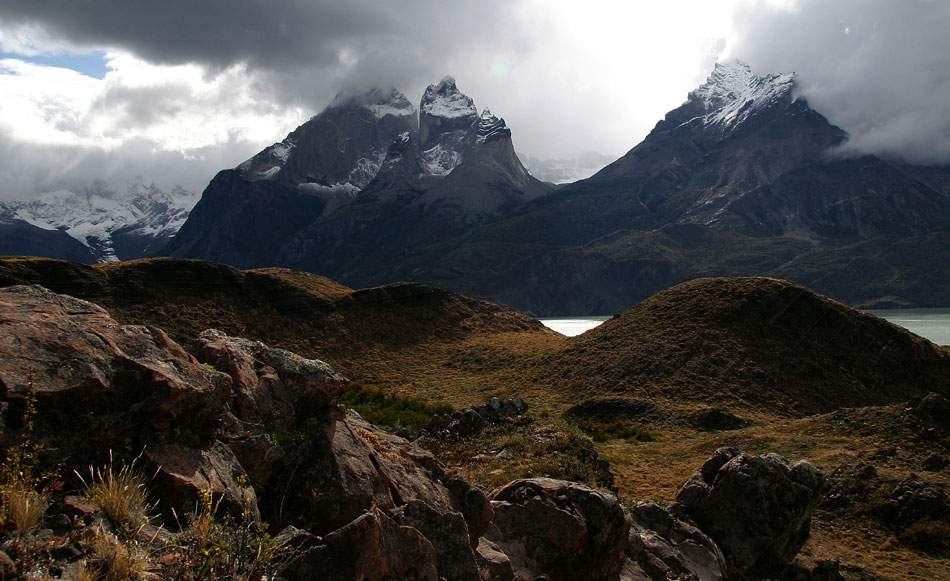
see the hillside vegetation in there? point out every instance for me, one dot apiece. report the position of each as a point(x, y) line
point(794, 372)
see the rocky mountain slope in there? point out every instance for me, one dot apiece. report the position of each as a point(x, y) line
point(105, 226)
point(362, 188)
point(742, 179)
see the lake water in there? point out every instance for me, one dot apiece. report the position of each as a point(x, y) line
point(933, 324)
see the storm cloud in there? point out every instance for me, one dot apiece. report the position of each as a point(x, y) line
point(195, 87)
point(880, 69)
point(304, 49)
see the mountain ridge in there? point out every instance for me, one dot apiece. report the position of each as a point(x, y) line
point(108, 223)
point(743, 178)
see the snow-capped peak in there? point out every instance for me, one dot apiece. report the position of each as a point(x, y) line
point(93, 218)
point(491, 127)
point(445, 100)
point(267, 163)
point(733, 92)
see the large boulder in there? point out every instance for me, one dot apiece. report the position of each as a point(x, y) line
point(81, 363)
point(344, 466)
point(562, 530)
point(663, 547)
point(756, 508)
point(106, 392)
point(321, 469)
point(273, 388)
point(372, 546)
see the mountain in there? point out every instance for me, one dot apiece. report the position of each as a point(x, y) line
point(96, 226)
point(363, 187)
point(740, 179)
point(744, 178)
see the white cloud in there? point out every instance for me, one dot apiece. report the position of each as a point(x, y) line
point(139, 118)
point(880, 69)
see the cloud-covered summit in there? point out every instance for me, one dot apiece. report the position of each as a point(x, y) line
point(879, 69)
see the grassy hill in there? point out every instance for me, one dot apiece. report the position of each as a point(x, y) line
point(816, 379)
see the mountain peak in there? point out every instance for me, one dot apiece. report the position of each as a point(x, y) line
point(732, 92)
point(447, 82)
point(445, 100)
point(381, 102)
point(491, 128)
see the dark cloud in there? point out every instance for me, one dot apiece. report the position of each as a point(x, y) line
point(880, 69)
point(298, 48)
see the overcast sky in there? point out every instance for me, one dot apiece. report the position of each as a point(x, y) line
point(174, 91)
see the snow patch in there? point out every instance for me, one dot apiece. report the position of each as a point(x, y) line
point(445, 100)
point(379, 102)
point(380, 110)
point(266, 164)
point(338, 188)
point(490, 127)
point(439, 160)
point(366, 168)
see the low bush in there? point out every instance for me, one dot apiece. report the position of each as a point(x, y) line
point(391, 412)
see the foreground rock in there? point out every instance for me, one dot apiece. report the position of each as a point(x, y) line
point(756, 508)
point(662, 547)
point(354, 466)
point(120, 388)
point(559, 529)
point(371, 504)
point(271, 387)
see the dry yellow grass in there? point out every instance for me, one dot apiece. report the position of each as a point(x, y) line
point(23, 504)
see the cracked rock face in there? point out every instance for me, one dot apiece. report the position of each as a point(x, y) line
point(662, 547)
point(105, 392)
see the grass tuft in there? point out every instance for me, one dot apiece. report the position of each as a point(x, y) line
point(122, 494)
point(23, 505)
point(116, 560)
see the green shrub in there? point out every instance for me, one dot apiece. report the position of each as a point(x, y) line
point(391, 412)
point(219, 548)
point(24, 503)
